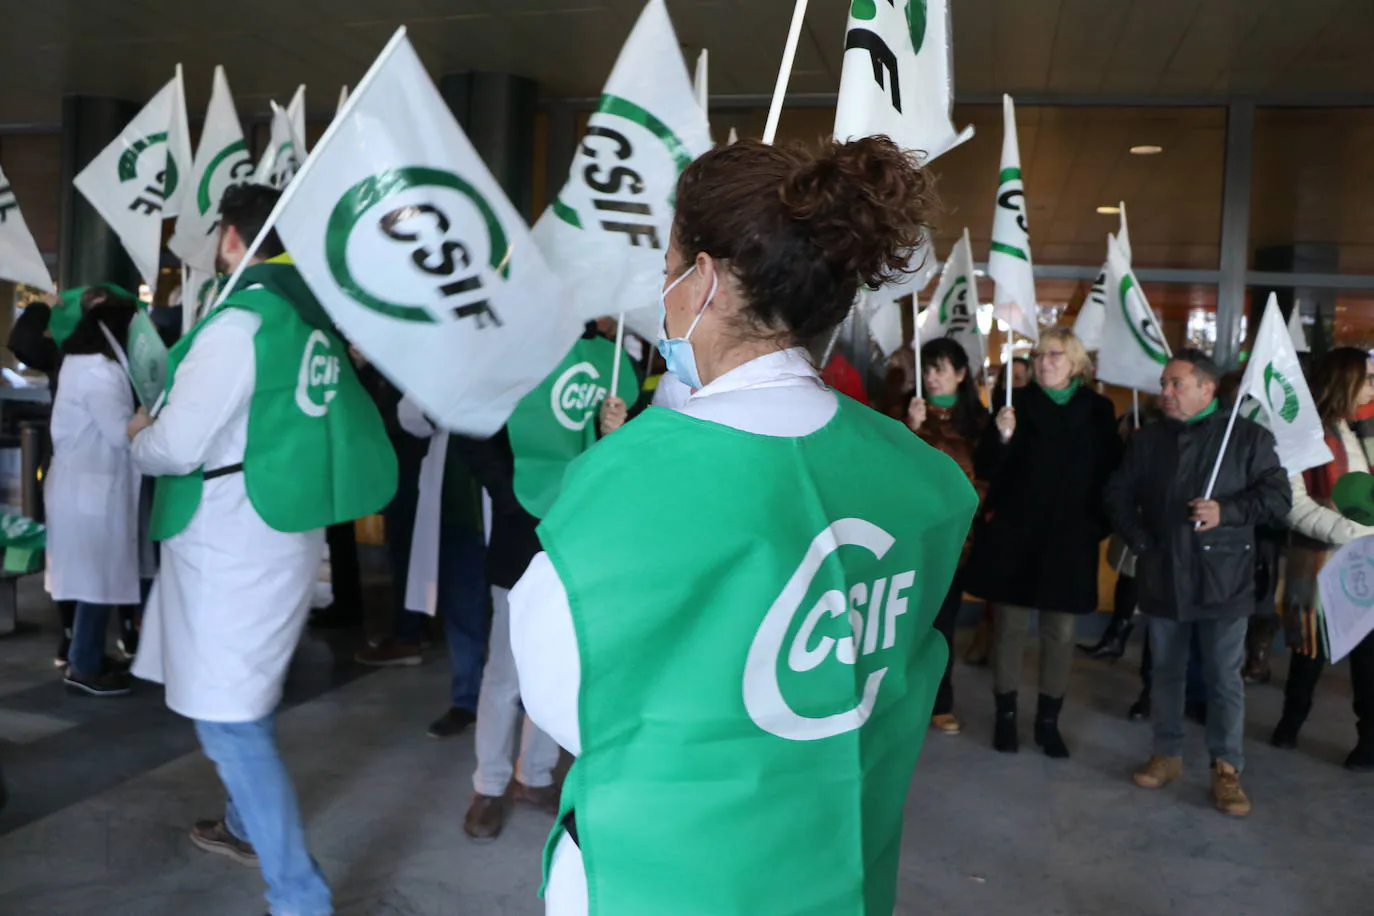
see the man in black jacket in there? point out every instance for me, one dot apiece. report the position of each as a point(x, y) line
point(1196, 563)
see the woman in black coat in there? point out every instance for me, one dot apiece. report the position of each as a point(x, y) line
point(1046, 461)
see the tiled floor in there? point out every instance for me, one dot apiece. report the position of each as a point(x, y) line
point(103, 791)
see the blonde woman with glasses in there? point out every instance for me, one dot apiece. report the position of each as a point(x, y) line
point(1046, 460)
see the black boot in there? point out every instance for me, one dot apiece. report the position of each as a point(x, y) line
point(1259, 638)
point(1047, 727)
point(1140, 709)
point(1004, 736)
point(1361, 759)
point(1112, 645)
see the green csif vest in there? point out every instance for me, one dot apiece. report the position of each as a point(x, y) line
point(317, 451)
point(557, 421)
point(755, 690)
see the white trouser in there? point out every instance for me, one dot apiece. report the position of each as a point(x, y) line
point(499, 715)
point(566, 894)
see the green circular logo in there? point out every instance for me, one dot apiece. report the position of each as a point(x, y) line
point(235, 155)
point(128, 163)
point(1136, 311)
point(1290, 407)
point(372, 205)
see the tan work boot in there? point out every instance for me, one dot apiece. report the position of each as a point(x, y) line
point(1227, 794)
point(486, 817)
point(1159, 772)
point(945, 723)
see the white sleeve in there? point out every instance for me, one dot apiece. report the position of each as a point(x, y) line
point(413, 420)
point(1309, 517)
point(213, 381)
point(545, 647)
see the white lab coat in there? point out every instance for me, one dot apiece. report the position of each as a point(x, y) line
point(672, 392)
point(780, 394)
point(91, 491)
point(422, 577)
point(232, 596)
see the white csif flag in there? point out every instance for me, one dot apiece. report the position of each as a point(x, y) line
point(221, 160)
point(606, 232)
point(1133, 352)
point(20, 259)
point(131, 180)
point(897, 77)
point(178, 148)
point(1088, 326)
point(1295, 331)
point(1009, 262)
point(953, 310)
point(285, 151)
point(1274, 379)
point(414, 250)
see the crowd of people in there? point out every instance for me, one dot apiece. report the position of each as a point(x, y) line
point(566, 630)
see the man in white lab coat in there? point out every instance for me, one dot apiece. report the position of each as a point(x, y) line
point(265, 439)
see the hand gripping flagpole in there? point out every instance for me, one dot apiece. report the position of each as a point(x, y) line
point(789, 55)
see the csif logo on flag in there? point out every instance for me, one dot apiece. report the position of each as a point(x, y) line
point(285, 164)
point(886, 65)
point(231, 164)
point(811, 650)
point(955, 315)
point(1011, 197)
point(8, 201)
point(1288, 408)
point(576, 396)
point(613, 190)
point(318, 380)
point(148, 164)
point(424, 236)
point(1141, 320)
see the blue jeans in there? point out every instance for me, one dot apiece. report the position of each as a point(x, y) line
point(464, 605)
point(1196, 684)
point(87, 653)
point(263, 810)
point(1223, 649)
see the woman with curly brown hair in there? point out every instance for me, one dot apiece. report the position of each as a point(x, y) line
point(746, 699)
point(1344, 383)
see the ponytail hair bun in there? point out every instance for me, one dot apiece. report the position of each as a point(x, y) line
point(801, 228)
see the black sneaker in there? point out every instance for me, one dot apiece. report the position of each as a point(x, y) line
point(454, 722)
point(214, 836)
point(113, 684)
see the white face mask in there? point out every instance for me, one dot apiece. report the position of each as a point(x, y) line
point(677, 351)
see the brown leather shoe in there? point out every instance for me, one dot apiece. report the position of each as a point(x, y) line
point(545, 798)
point(1227, 794)
point(1159, 772)
point(390, 655)
point(214, 836)
point(486, 817)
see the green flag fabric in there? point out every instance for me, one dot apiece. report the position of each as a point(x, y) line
point(557, 421)
point(67, 312)
point(23, 540)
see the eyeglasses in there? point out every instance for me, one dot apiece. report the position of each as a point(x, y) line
point(1049, 356)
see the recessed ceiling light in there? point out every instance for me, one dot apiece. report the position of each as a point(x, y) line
point(1146, 149)
point(1109, 211)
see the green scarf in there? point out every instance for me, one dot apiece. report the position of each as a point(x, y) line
point(1062, 396)
point(944, 401)
point(1204, 413)
point(280, 276)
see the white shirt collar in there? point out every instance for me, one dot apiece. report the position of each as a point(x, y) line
point(784, 368)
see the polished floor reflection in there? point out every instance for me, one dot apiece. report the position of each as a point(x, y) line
point(103, 791)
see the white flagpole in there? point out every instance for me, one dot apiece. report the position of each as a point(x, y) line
point(789, 55)
point(830, 347)
point(1135, 406)
point(619, 346)
point(1225, 441)
point(295, 183)
point(1009, 370)
point(916, 343)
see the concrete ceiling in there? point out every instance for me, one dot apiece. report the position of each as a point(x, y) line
point(1185, 48)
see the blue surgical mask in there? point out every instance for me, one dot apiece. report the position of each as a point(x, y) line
point(677, 351)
